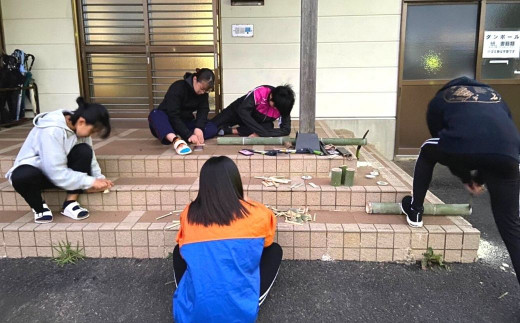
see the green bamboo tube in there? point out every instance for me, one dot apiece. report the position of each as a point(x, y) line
point(349, 177)
point(429, 209)
point(344, 141)
point(335, 176)
point(343, 173)
point(252, 140)
point(281, 140)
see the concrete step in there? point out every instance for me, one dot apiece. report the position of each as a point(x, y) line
point(168, 193)
point(342, 235)
point(174, 165)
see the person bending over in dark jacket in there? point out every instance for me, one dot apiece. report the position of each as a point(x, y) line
point(255, 112)
point(173, 120)
point(476, 138)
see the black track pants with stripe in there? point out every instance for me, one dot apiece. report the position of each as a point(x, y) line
point(499, 173)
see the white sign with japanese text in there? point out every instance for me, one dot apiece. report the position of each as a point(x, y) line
point(501, 44)
point(242, 30)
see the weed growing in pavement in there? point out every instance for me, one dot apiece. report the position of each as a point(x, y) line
point(431, 260)
point(67, 254)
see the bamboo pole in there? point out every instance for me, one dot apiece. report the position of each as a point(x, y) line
point(281, 140)
point(252, 140)
point(429, 209)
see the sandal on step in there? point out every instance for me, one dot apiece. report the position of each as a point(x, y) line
point(43, 217)
point(75, 211)
point(181, 147)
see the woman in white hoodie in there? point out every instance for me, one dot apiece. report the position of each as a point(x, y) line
point(58, 153)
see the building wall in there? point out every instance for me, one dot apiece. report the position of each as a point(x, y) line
point(272, 56)
point(46, 30)
point(358, 46)
point(357, 60)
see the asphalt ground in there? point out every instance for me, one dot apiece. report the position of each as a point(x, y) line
point(132, 290)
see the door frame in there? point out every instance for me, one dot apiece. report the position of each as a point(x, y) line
point(400, 82)
point(82, 49)
point(2, 37)
point(481, 20)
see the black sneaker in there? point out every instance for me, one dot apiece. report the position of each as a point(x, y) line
point(413, 216)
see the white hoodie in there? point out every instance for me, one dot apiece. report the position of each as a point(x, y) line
point(47, 147)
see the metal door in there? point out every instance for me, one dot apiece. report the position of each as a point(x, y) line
point(132, 50)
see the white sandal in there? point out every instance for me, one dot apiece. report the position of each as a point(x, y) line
point(181, 150)
point(43, 217)
point(73, 210)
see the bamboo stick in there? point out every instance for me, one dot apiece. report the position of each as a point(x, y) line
point(168, 214)
point(429, 209)
point(276, 179)
point(296, 185)
point(281, 140)
point(174, 225)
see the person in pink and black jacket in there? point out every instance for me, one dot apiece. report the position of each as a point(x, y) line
point(255, 112)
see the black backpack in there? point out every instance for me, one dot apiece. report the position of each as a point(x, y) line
point(13, 74)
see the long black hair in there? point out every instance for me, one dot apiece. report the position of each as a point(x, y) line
point(283, 98)
point(94, 114)
point(221, 195)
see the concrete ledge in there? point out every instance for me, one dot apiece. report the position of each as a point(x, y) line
point(167, 197)
point(190, 165)
point(134, 235)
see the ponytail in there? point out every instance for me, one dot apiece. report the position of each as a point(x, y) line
point(94, 114)
point(205, 75)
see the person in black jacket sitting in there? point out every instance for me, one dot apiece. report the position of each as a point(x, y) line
point(475, 136)
point(255, 112)
point(173, 120)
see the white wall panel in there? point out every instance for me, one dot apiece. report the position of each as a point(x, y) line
point(361, 54)
point(359, 28)
point(266, 30)
point(36, 9)
point(355, 105)
point(39, 31)
point(271, 8)
point(50, 80)
point(358, 7)
point(364, 79)
point(261, 56)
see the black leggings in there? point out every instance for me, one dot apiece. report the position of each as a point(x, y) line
point(269, 265)
point(499, 173)
point(30, 181)
point(229, 117)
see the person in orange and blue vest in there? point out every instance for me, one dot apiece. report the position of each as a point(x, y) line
point(225, 262)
